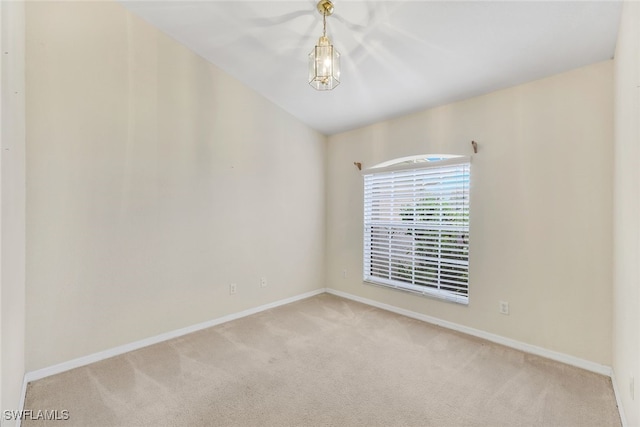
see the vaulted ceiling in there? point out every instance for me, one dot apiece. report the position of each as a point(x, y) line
point(397, 56)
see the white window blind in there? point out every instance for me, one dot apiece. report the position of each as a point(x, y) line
point(416, 228)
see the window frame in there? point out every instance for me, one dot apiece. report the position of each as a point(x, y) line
point(451, 282)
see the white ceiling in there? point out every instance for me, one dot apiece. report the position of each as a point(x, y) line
point(397, 56)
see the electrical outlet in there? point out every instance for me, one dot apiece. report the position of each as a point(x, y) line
point(263, 282)
point(504, 307)
point(233, 289)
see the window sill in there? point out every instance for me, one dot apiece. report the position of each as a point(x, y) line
point(421, 291)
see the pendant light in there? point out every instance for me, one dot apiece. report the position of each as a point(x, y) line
point(324, 59)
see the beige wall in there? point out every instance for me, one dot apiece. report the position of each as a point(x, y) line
point(541, 215)
point(154, 180)
point(12, 207)
point(626, 304)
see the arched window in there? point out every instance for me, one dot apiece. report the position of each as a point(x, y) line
point(416, 225)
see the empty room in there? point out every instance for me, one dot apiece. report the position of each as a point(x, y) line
point(333, 213)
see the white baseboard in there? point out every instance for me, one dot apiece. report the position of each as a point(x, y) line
point(508, 342)
point(96, 357)
point(616, 391)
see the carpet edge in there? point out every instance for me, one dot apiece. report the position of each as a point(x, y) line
point(498, 339)
point(145, 342)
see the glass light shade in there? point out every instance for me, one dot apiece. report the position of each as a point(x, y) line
point(324, 65)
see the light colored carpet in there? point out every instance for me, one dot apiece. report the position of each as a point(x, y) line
point(326, 361)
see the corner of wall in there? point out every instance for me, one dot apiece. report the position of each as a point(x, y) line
point(626, 211)
point(12, 206)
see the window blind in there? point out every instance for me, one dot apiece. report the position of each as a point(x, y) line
point(416, 228)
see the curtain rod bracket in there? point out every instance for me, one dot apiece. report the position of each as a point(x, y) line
point(475, 146)
point(358, 165)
